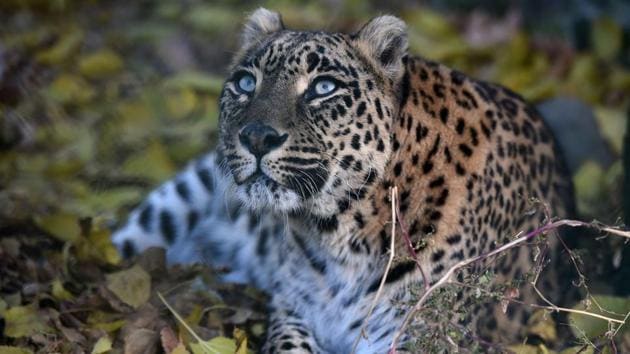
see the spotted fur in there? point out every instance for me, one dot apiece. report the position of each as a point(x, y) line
point(308, 220)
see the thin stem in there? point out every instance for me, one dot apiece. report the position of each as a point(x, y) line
point(543, 229)
point(394, 197)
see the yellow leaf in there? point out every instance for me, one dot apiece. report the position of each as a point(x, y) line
point(64, 168)
point(431, 23)
point(218, 345)
point(59, 292)
point(63, 50)
point(136, 111)
point(100, 64)
point(14, 350)
point(71, 89)
point(586, 79)
point(542, 326)
point(99, 245)
point(197, 81)
point(241, 341)
point(23, 321)
point(578, 350)
point(152, 162)
point(612, 123)
point(180, 349)
point(589, 183)
point(181, 103)
point(63, 226)
point(211, 18)
point(106, 321)
point(195, 315)
point(620, 80)
point(109, 326)
point(528, 349)
point(103, 345)
point(612, 307)
point(606, 36)
point(132, 286)
point(98, 202)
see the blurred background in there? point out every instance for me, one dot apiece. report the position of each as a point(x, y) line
point(102, 100)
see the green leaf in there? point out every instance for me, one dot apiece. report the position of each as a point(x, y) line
point(528, 349)
point(103, 345)
point(212, 19)
point(612, 123)
point(63, 49)
point(153, 163)
point(240, 338)
point(578, 350)
point(586, 79)
point(132, 286)
point(612, 307)
point(59, 292)
point(23, 321)
point(430, 23)
point(181, 103)
point(71, 89)
point(63, 226)
point(101, 64)
point(218, 345)
point(98, 246)
point(606, 37)
point(14, 350)
point(197, 81)
point(108, 322)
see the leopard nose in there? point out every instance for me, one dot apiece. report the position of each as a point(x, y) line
point(260, 139)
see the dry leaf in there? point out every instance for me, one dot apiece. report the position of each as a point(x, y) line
point(132, 286)
point(169, 339)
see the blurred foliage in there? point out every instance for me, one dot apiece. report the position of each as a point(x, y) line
point(100, 101)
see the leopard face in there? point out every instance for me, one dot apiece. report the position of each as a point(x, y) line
point(306, 116)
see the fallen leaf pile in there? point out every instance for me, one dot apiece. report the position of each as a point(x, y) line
point(56, 296)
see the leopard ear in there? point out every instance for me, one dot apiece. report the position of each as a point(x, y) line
point(260, 23)
point(384, 40)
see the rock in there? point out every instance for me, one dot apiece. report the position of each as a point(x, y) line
point(575, 128)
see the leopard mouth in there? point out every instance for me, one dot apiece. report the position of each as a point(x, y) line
point(261, 181)
point(261, 178)
point(259, 191)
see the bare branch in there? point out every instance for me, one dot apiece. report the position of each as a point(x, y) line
point(404, 230)
point(394, 198)
point(541, 230)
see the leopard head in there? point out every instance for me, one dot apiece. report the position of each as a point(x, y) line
point(306, 117)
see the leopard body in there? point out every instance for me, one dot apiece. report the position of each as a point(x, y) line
point(303, 210)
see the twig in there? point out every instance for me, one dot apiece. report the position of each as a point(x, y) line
point(551, 307)
point(394, 197)
point(404, 230)
point(204, 345)
point(625, 319)
point(446, 277)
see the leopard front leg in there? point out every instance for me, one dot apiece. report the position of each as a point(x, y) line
point(288, 334)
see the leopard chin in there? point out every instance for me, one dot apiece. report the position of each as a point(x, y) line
point(261, 193)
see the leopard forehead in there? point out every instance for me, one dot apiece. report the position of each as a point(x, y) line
point(296, 52)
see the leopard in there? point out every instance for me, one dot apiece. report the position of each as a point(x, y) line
point(316, 131)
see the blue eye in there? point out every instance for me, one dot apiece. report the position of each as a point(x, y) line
point(247, 83)
point(324, 87)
